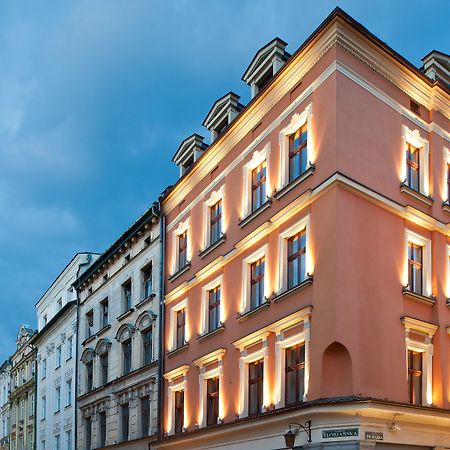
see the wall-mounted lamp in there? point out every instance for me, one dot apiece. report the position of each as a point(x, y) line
point(291, 433)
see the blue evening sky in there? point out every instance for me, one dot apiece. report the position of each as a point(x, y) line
point(95, 97)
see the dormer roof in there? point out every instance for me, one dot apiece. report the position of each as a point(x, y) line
point(190, 144)
point(436, 65)
point(265, 57)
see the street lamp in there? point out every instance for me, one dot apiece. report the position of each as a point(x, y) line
point(289, 436)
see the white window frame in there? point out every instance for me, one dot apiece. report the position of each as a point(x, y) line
point(57, 398)
point(181, 228)
point(173, 324)
point(246, 274)
point(205, 375)
point(417, 239)
point(258, 157)
point(213, 199)
point(172, 388)
point(303, 224)
point(281, 345)
point(413, 138)
point(297, 121)
point(204, 318)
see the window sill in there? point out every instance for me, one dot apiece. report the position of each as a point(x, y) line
point(246, 315)
point(419, 297)
point(425, 199)
point(218, 330)
point(282, 295)
point(125, 314)
point(89, 339)
point(180, 272)
point(294, 183)
point(145, 300)
point(446, 206)
point(266, 205)
point(178, 350)
point(212, 246)
point(104, 329)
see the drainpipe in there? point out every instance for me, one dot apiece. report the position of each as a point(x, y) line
point(162, 240)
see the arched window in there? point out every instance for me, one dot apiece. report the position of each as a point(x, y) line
point(102, 350)
point(87, 358)
point(124, 336)
point(144, 324)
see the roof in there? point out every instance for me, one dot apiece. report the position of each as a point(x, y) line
point(230, 98)
point(435, 52)
point(188, 143)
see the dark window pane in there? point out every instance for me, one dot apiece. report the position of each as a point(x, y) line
point(255, 387)
point(212, 401)
point(214, 309)
point(294, 374)
point(179, 411)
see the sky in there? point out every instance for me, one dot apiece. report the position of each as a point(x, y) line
point(96, 96)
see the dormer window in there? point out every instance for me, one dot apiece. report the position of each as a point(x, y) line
point(265, 64)
point(222, 114)
point(188, 152)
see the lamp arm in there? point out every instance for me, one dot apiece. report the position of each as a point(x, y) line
point(306, 428)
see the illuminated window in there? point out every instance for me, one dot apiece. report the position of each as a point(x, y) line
point(177, 381)
point(257, 269)
point(126, 356)
point(179, 411)
point(255, 387)
point(415, 377)
point(418, 264)
point(412, 167)
point(255, 279)
point(448, 181)
point(182, 250)
point(298, 152)
point(214, 309)
point(215, 222)
point(180, 247)
point(178, 326)
point(181, 325)
point(259, 186)
point(296, 259)
point(415, 267)
point(212, 400)
point(294, 374)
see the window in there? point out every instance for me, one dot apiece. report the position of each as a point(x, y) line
point(296, 260)
point(215, 222)
point(43, 406)
point(147, 281)
point(415, 268)
point(412, 167)
point(104, 368)
point(57, 398)
point(69, 347)
point(415, 377)
point(125, 421)
point(68, 392)
point(44, 320)
point(89, 323)
point(257, 283)
point(42, 444)
point(58, 356)
point(448, 182)
point(126, 292)
point(102, 424)
point(57, 442)
point(212, 400)
point(182, 250)
point(31, 406)
point(43, 368)
point(179, 411)
point(104, 313)
point(147, 342)
point(181, 324)
point(255, 387)
point(21, 409)
point(126, 352)
point(59, 305)
point(69, 440)
point(258, 186)
point(298, 152)
point(89, 375)
point(145, 416)
point(294, 374)
point(88, 433)
point(214, 309)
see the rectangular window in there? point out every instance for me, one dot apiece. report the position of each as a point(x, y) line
point(294, 374)
point(89, 323)
point(415, 376)
point(44, 368)
point(181, 324)
point(126, 351)
point(258, 186)
point(125, 420)
point(102, 420)
point(147, 341)
point(212, 400)
point(88, 433)
point(147, 281)
point(69, 347)
point(145, 416)
point(68, 392)
point(126, 292)
point(412, 167)
point(182, 250)
point(415, 267)
point(89, 375)
point(44, 407)
point(59, 305)
point(69, 440)
point(179, 411)
point(255, 387)
point(104, 313)
point(215, 223)
point(214, 309)
point(257, 283)
point(296, 259)
point(104, 368)
point(57, 399)
point(42, 444)
point(58, 356)
point(298, 152)
point(57, 442)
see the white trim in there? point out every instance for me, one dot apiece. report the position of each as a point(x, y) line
point(297, 121)
point(217, 282)
point(413, 138)
point(246, 273)
point(445, 190)
point(304, 224)
point(417, 239)
point(173, 324)
point(213, 199)
point(171, 401)
point(181, 228)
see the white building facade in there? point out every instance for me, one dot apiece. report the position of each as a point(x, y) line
point(118, 341)
point(5, 387)
point(56, 358)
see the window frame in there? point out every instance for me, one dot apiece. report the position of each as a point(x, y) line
point(173, 324)
point(147, 269)
point(183, 227)
point(177, 380)
point(204, 318)
point(127, 305)
point(215, 197)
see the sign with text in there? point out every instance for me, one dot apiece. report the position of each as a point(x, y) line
point(343, 432)
point(374, 436)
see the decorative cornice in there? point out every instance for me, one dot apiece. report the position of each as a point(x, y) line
point(178, 372)
point(216, 355)
point(419, 325)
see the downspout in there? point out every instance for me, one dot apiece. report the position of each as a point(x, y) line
point(162, 240)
